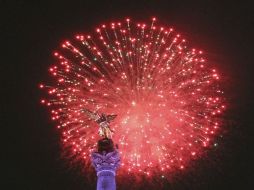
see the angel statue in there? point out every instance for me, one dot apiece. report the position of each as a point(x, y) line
point(103, 120)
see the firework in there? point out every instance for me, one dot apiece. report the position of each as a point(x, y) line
point(167, 98)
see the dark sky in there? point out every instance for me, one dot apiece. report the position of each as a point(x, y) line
point(30, 31)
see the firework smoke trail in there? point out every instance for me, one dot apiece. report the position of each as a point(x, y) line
point(166, 96)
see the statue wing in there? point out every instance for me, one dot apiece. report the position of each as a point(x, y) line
point(91, 114)
point(111, 117)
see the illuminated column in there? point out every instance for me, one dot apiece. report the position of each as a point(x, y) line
point(106, 165)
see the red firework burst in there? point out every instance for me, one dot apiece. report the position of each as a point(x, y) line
point(166, 96)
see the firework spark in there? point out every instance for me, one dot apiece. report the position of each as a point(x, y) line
point(166, 96)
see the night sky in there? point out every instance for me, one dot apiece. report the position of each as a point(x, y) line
point(31, 31)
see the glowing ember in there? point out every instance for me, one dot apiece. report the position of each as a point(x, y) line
point(166, 97)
